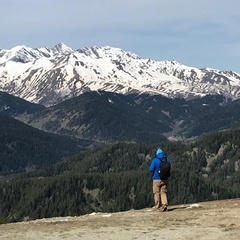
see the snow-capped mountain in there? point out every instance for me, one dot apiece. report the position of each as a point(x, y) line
point(48, 76)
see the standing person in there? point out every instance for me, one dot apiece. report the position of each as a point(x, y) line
point(160, 180)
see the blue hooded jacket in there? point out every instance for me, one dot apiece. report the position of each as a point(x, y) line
point(155, 164)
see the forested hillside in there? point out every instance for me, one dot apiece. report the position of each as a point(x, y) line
point(24, 148)
point(14, 106)
point(112, 117)
point(116, 178)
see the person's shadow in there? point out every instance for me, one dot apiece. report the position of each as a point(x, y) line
point(175, 208)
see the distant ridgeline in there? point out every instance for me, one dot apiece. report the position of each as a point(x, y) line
point(50, 75)
point(110, 117)
point(116, 178)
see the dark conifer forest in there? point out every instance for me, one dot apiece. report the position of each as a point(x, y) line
point(56, 173)
point(116, 178)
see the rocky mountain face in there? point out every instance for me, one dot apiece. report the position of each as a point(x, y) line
point(49, 76)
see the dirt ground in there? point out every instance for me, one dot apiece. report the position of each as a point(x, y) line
point(203, 221)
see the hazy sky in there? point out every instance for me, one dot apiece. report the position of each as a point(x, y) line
point(197, 33)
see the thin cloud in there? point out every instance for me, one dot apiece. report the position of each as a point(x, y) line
point(184, 30)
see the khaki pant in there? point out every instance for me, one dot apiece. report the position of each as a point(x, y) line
point(160, 193)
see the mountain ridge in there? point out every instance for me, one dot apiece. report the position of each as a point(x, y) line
point(49, 76)
point(111, 117)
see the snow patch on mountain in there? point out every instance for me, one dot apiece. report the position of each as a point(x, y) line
point(48, 76)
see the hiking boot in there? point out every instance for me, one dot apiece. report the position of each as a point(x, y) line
point(163, 209)
point(155, 209)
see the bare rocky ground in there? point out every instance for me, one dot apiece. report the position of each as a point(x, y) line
point(202, 221)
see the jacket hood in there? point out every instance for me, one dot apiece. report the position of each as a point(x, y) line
point(159, 150)
point(160, 153)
